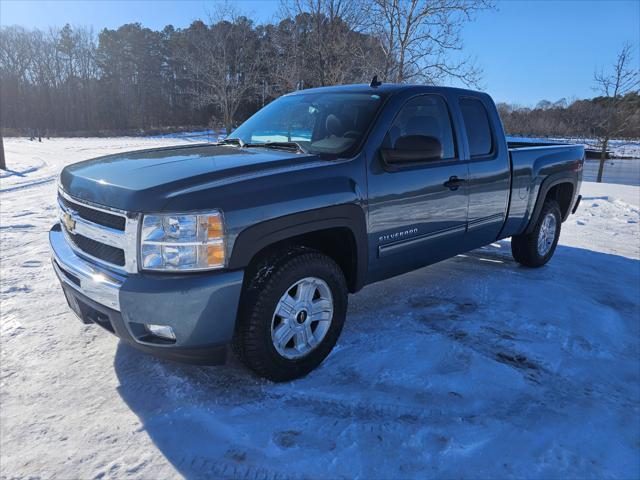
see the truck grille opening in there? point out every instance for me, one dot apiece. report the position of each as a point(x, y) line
point(98, 250)
point(96, 216)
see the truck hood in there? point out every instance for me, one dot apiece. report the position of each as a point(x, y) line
point(144, 181)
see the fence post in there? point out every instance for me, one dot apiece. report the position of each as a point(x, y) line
point(3, 165)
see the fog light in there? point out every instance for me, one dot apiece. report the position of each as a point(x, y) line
point(162, 331)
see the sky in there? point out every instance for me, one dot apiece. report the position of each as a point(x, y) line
point(529, 50)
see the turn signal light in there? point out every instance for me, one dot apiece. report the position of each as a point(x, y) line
point(215, 254)
point(214, 226)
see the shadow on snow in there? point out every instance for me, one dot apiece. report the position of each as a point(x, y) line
point(472, 365)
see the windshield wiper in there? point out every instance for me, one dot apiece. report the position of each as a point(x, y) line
point(295, 146)
point(232, 141)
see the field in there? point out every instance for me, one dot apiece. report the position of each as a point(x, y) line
point(474, 367)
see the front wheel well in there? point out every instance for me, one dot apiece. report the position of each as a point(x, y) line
point(338, 243)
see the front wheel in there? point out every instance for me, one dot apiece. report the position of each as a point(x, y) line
point(536, 248)
point(292, 314)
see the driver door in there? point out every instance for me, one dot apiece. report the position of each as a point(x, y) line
point(418, 213)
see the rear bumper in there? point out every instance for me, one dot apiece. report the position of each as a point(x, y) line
point(200, 308)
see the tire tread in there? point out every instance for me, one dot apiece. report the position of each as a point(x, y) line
point(524, 248)
point(255, 310)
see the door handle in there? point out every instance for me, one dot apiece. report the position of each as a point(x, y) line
point(453, 183)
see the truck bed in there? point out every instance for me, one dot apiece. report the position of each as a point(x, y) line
point(531, 164)
point(590, 152)
point(523, 144)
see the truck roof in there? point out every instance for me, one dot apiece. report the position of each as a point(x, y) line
point(383, 88)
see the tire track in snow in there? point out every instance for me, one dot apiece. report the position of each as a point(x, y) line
point(34, 183)
point(365, 412)
point(496, 345)
point(210, 467)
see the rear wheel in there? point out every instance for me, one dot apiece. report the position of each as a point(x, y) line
point(536, 248)
point(292, 314)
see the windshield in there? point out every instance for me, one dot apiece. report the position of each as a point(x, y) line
point(329, 123)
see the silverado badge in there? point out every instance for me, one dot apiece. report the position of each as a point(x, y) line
point(68, 221)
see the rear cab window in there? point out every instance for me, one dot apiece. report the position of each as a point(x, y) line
point(477, 127)
point(424, 115)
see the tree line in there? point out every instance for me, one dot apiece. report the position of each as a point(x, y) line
point(613, 114)
point(577, 119)
point(217, 72)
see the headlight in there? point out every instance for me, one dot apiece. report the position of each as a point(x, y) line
point(182, 242)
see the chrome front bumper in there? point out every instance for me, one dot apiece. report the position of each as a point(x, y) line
point(200, 308)
point(100, 285)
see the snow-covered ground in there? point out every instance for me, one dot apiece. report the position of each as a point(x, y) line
point(31, 162)
point(471, 368)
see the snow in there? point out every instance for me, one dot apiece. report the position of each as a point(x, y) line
point(474, 367)
point(32, 162)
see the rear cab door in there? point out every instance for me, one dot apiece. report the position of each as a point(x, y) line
point(418, 213)
point(489, 181)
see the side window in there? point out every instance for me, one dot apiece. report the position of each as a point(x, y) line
point(476, 122)
point(424, 115)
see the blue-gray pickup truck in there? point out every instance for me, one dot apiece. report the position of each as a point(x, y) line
point(256, 241)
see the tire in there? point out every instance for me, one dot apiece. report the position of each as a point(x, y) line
point(532, 250)
point(282, 284)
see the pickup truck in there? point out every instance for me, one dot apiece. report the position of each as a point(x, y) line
point(256, 241)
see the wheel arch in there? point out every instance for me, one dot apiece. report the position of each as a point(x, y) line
point(338, 231)
point(560, 187)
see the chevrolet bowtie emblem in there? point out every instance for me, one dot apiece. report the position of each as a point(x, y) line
point(68, 221)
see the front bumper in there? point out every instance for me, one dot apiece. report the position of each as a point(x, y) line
point(200, 308)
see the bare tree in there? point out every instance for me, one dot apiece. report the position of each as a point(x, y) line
point(421, 38)
point(16, 56)
point(326, 39)
point(612, 87)
point(68, 80)
point(286, 69)
point(223, 64)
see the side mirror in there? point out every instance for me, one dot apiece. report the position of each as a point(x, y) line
point(412, 149)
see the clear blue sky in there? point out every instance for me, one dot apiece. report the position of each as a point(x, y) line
point(529, 49)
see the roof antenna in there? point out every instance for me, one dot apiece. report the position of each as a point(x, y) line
point(375, 83)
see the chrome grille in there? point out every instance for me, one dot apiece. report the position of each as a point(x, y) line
point(105, 219)
point(105, 235)
point(99, 250)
